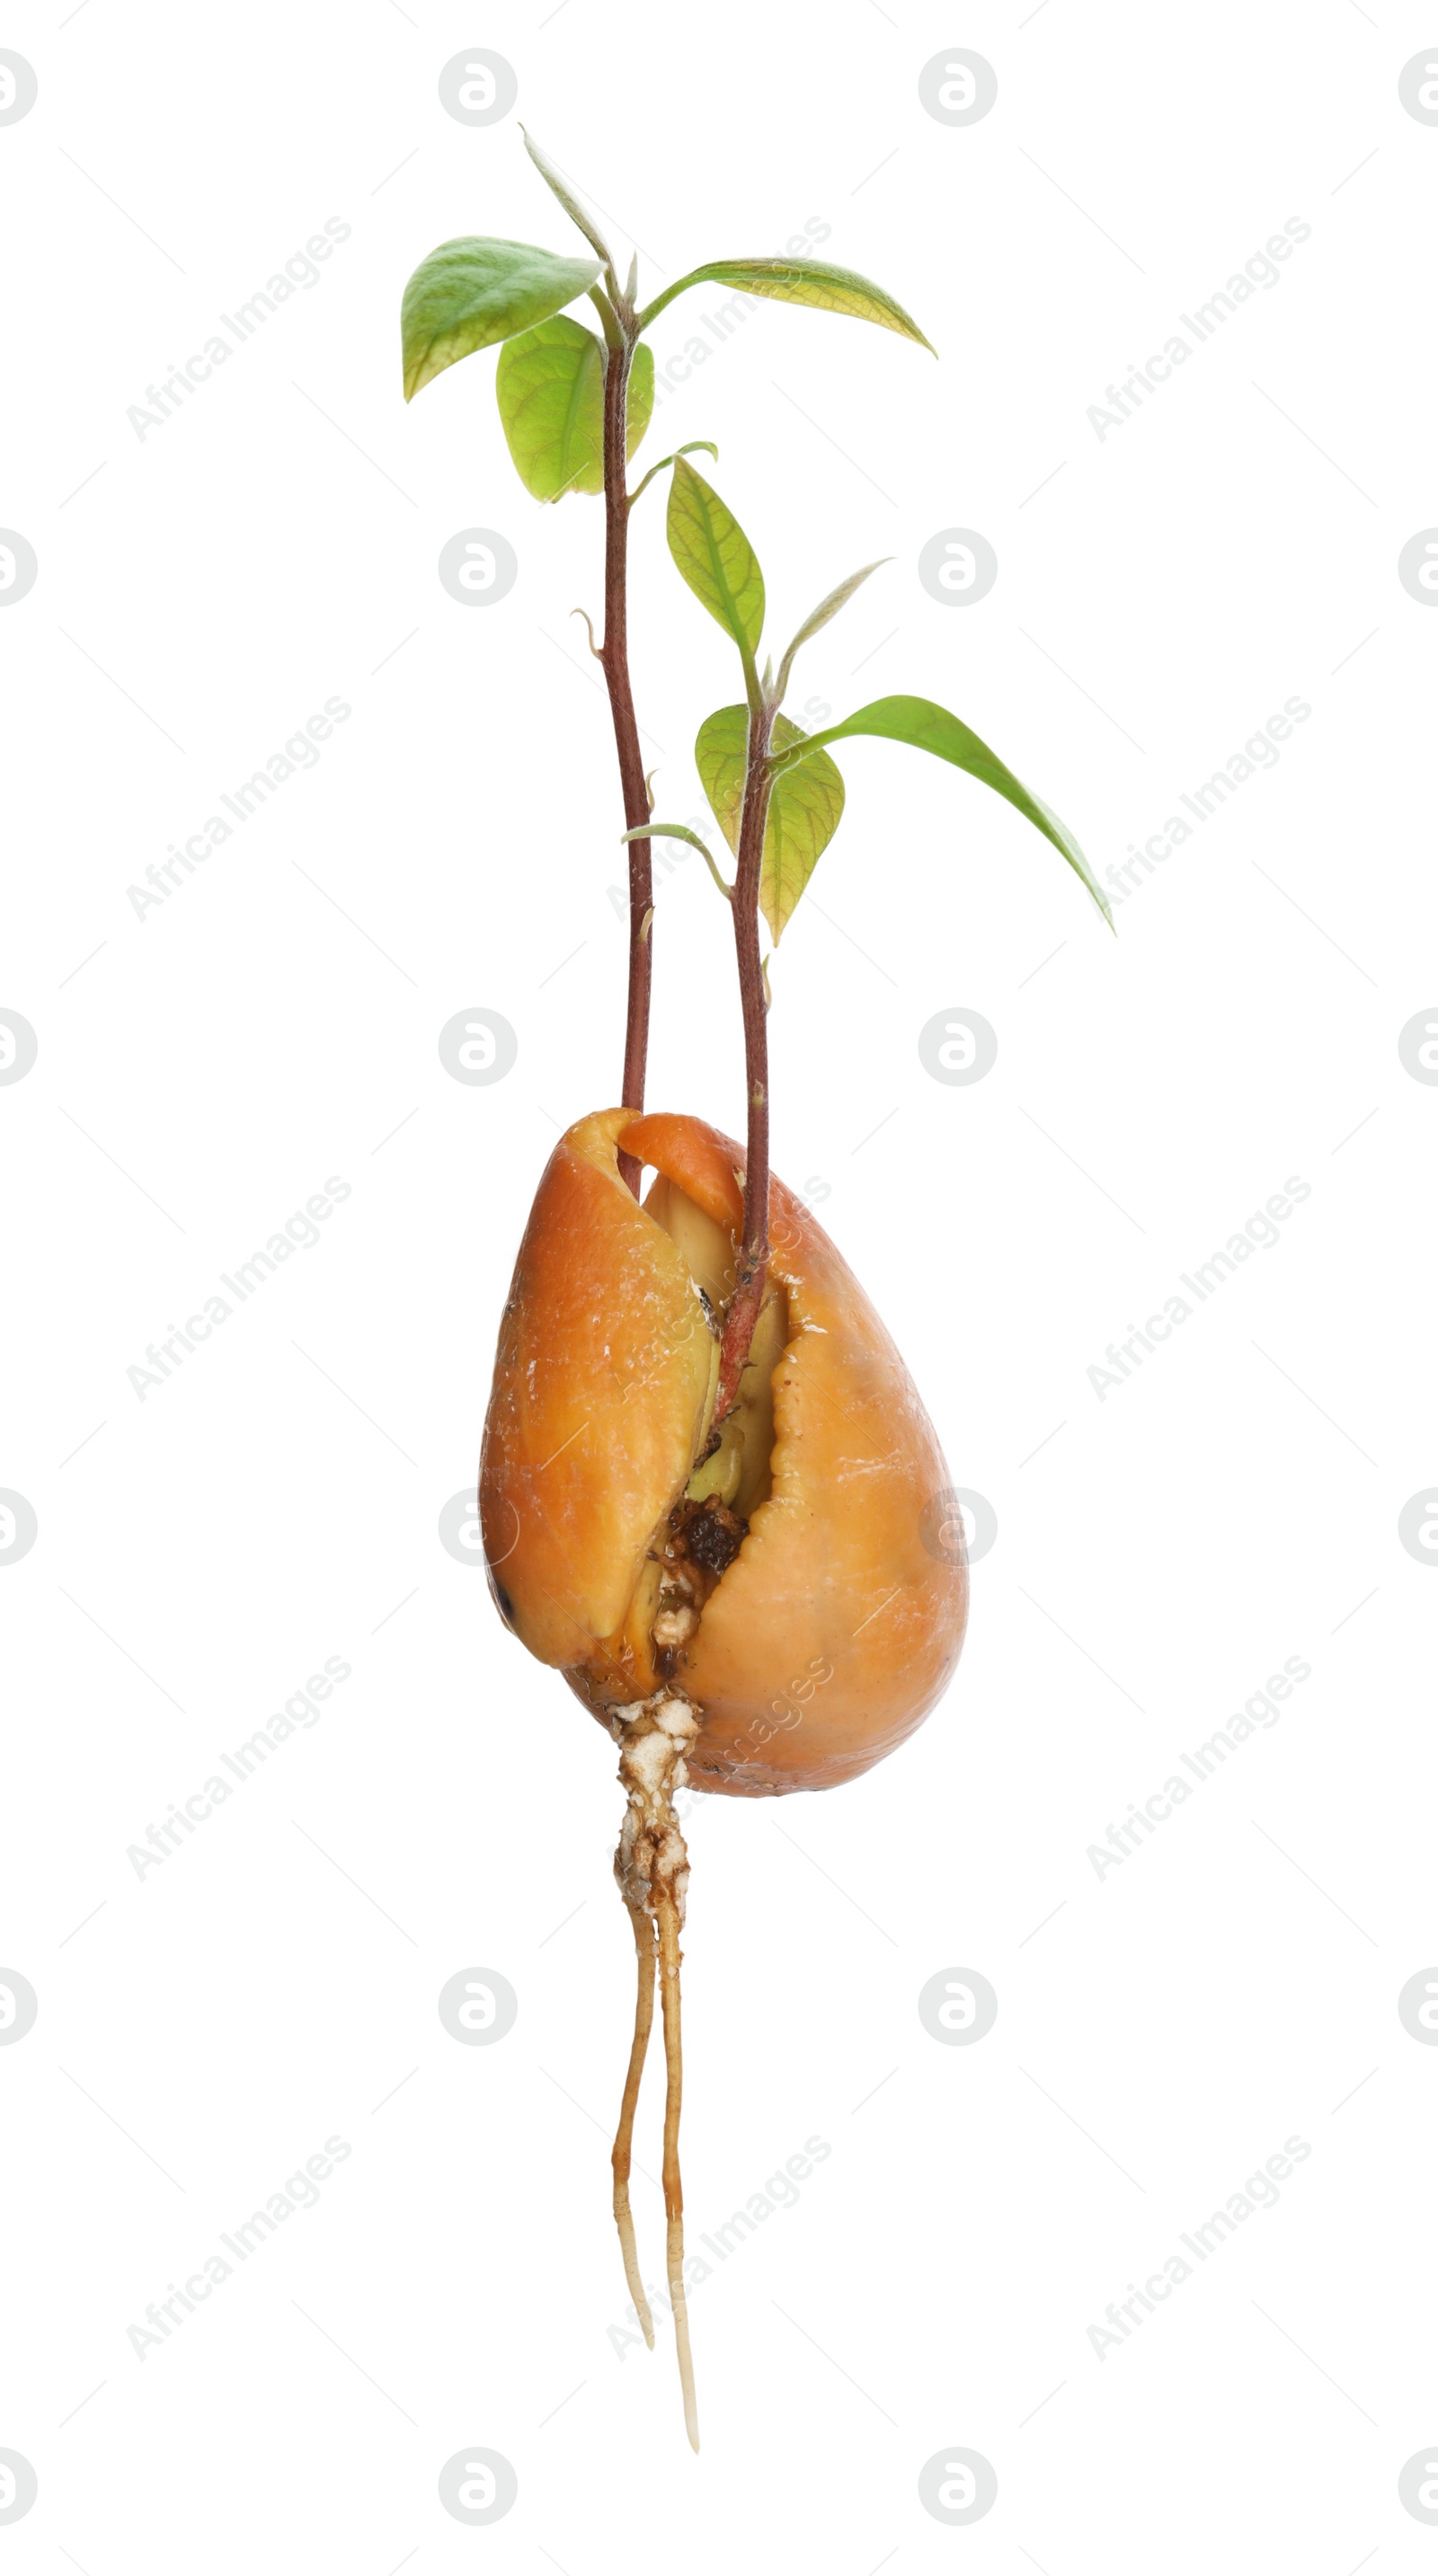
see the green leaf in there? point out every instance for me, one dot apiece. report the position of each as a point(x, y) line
point(471, 292)
point(550, 388)
point(721, 750)
point(821, 615)
point(805, 805)
point(799, 281)
point(929, 728)
point(717, 561)
point(691, 448)
point(569, 199)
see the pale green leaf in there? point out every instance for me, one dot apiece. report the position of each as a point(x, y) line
point(805, 805)
point(472, 292)
point(691, 448)
point(931, 728)
point(721, 750)
point(798, 281)
point(821, 615)
point(717, 560)
point(550, 387)
point(573, 204)
point(681, 832)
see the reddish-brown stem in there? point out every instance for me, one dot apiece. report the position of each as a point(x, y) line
point(753, 1262)
point(615, 660)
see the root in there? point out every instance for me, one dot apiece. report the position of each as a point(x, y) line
point(669, 1958)
point(652, 1867)
point(624, 2135)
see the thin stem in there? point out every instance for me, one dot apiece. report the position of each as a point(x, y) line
point(669, 1957)
point(681, 832)
point(753, 1263)
point(615, 659)
point(624, 2135)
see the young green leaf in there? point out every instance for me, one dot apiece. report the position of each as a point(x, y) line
point(691, 448)
point(799, 281)
point(930, 728)
point(718, 562)
point(721, 750)
point(805, 805)
point(573, 205)
point(550, 388)
point(821, 615)
point(471, 292)
point(681, 832)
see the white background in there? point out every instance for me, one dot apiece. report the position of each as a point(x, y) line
point(203, 1070)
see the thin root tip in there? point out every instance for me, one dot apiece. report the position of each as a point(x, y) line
point(688, 2392)
point(648, 2325)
